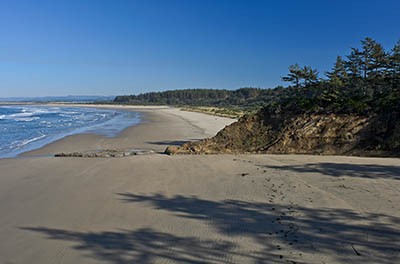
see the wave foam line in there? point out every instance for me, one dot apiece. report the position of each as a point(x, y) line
point(30, 140)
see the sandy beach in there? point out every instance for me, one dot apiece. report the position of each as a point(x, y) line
point(157, 208)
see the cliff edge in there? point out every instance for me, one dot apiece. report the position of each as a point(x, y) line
point(315, 133)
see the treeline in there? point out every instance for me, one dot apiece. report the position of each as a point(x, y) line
point(243, 97)
point(365, 81)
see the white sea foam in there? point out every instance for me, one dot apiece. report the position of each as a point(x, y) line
point(30, 140)
point(19, 115)
point(28, 111)
point(26, 119)
point(41, 111)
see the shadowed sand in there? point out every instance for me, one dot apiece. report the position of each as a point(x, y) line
point(195, 209)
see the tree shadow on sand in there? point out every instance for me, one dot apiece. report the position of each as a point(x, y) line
point(147, 245)
point(343, 233)
point(281, 231)
point(344, 169)
point(171, 142)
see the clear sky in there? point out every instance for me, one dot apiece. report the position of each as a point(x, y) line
point(114, 47)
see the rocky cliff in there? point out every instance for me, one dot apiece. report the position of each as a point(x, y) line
point(317, 133)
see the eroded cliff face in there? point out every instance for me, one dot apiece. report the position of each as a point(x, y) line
point(319, 134)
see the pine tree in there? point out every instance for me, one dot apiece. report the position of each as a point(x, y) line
point(309, 75)
point(354, 67)
point(294, 76)
point(375, 65)
point(394, 62)
point(338, 76)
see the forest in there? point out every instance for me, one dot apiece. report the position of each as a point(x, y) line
point(244, 97)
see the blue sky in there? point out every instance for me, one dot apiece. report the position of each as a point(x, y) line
point(114, 47)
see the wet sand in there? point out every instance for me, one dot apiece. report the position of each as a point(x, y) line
point(195, 209)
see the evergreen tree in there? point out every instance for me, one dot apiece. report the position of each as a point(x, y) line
point(354, 66)
point(374, 65)
point(294, 76)
point(338, 76)
point(309, 75)
point(394, 62)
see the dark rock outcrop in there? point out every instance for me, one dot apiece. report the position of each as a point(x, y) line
point(108, 153)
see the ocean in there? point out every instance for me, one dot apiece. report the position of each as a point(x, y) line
point(28, 127)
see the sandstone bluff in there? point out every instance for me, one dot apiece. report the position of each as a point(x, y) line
point(316, 133)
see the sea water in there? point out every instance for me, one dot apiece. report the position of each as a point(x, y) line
point(27, 127)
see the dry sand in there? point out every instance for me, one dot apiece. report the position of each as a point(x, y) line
point(195, 209)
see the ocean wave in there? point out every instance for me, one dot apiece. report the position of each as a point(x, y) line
point(12, 116)
point(27, 111)
point(28, 114)
point(43, 112)
point(26, 119)
point(23, 143)
point(35, 111)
